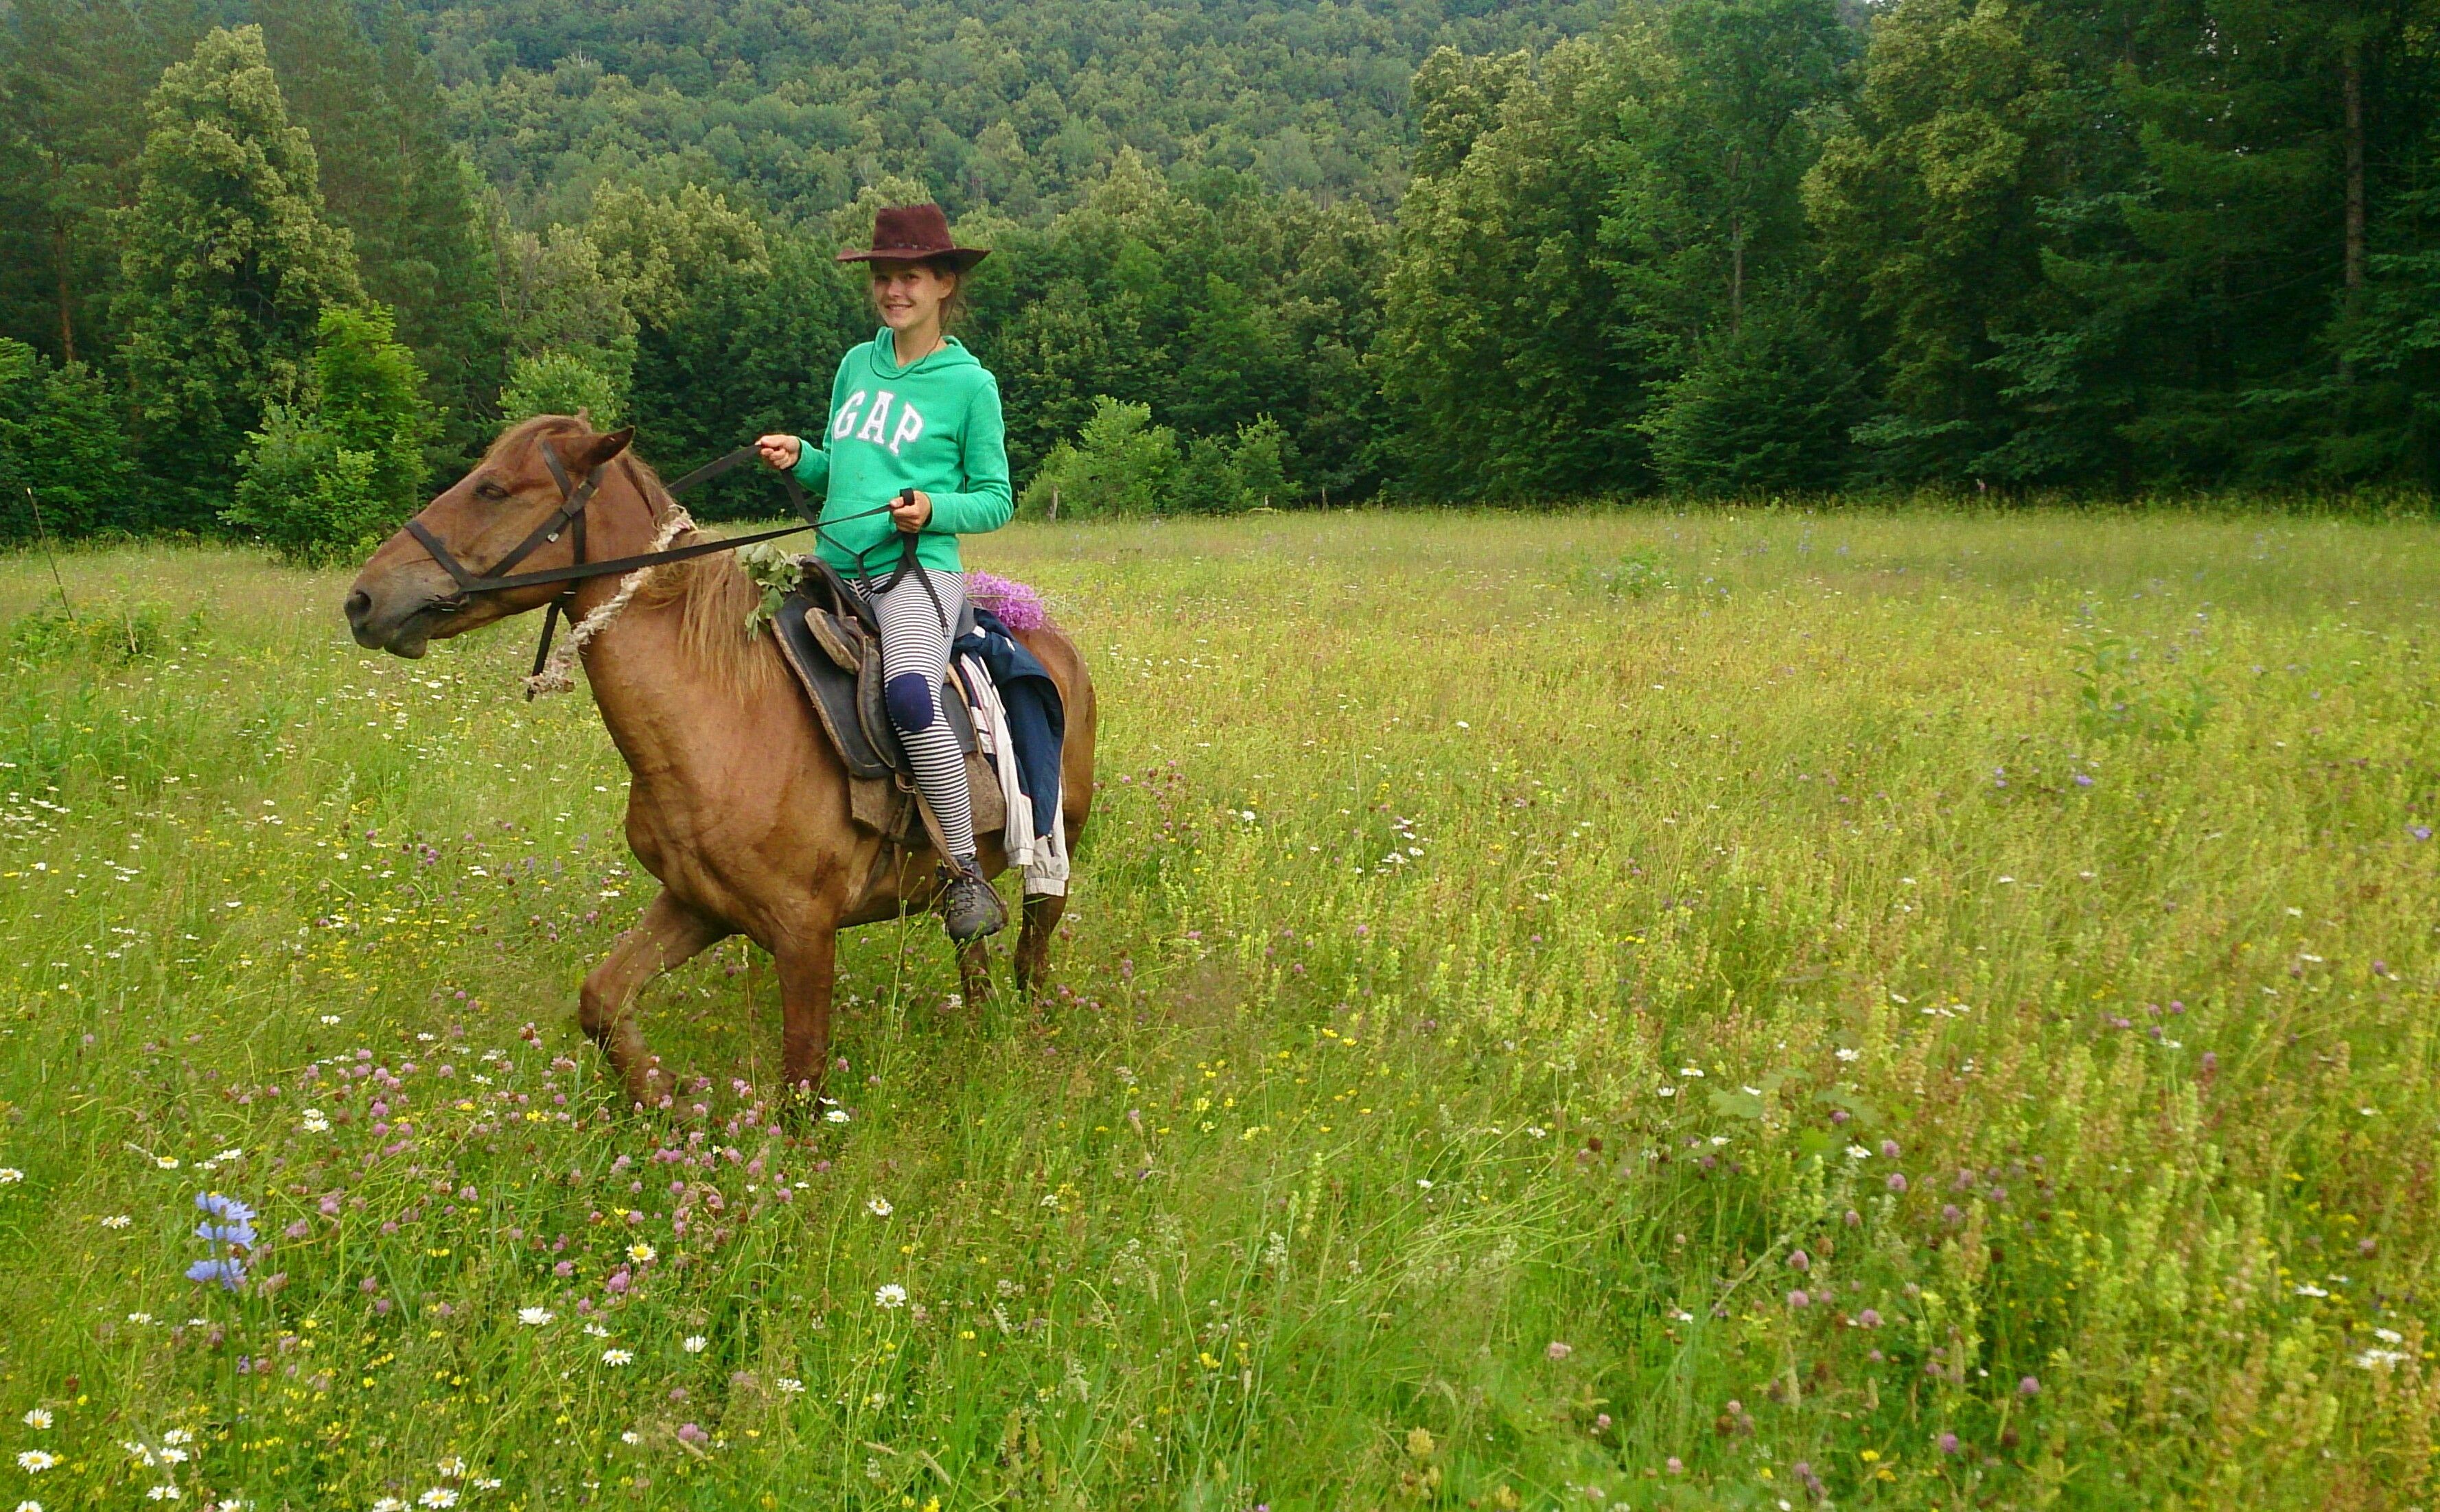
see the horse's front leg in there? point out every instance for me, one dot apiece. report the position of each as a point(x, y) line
point(807, 966)
point(669, 934)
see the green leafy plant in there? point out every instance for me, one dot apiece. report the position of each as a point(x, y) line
point(323, 478)
point(1120, 463)
point(562, 384)
point(2117, 693)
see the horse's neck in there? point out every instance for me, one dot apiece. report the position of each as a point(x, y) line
point(650, 701)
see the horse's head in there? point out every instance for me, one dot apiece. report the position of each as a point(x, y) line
point(404, 599)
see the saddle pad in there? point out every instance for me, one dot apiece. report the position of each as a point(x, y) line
point(850, 705)
point(833, 692)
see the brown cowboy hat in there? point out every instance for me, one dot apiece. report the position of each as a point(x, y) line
point(914, 233)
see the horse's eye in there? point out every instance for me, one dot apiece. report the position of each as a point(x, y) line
point(489, 492)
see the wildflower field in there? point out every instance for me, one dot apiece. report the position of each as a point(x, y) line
point(1594, 1010)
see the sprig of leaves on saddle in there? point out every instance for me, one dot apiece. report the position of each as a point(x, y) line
point(775, 570)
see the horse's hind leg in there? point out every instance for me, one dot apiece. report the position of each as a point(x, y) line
point(1042, 914)
point(669, 934)
point(974, 972)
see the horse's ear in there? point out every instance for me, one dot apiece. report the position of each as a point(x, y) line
point(593, 451)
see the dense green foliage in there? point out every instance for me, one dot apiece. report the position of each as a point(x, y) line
point(1450, 251)
point(228, 264)
point(65, 466)
point(335, 469)
point(1017, 105)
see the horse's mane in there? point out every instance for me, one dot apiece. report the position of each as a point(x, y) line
point(713, 596)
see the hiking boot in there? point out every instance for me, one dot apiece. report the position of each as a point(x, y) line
point(970, 905)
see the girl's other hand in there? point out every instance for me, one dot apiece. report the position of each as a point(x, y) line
point(911, 510)
point(781, 451)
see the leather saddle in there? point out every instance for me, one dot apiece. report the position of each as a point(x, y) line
point(832, 643)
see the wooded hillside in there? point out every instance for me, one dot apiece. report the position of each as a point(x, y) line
point(1446, 250)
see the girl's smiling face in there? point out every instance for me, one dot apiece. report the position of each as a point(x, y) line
point(910, 295)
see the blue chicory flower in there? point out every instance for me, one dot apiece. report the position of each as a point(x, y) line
point(230, 1273)
point(227, 1208)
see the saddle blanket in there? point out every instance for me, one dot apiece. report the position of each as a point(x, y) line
point(999, 700)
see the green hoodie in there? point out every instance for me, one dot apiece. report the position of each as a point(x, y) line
point(933, 426)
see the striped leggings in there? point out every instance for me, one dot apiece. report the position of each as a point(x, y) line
point(914, 658)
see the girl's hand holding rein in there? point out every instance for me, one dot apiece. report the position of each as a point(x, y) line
point(781, 451)
point(911, 510)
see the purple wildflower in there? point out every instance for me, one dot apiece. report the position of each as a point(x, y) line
point(1555, 1350)
point(1949, 1443)
point(1799, 1260)
point(1869, 1318)
point(2029, 1387)
point(1798, 1299)
point(2421, 832)
point(1889, 1149)
point(1897, 1181)
point(1019, 606)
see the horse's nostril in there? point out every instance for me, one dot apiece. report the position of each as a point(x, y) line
point(359, 604)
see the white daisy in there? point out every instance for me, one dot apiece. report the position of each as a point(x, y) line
point(38, 1417)
point(878, 1206)
point(695, 1343)
point(891, 1296)
point(535, 1317)
point(34, 1462)
point(616, 1356)
point(438, 1496)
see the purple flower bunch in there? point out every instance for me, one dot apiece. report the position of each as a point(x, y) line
point(228, 1227)
point(1017, 604)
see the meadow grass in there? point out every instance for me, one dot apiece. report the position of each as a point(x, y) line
point(1736, 1010)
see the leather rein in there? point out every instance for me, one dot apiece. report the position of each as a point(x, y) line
point(569, 519)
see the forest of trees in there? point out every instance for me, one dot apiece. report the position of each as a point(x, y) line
point(274, 267)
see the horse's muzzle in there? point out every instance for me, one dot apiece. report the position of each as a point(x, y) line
point(403, 627)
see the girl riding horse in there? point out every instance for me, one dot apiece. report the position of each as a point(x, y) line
point(915, 425)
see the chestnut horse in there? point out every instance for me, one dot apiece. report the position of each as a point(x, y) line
point(739, 803)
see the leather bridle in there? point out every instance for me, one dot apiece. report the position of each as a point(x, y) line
point(569, 519)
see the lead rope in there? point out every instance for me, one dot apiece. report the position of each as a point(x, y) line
point(553, 673)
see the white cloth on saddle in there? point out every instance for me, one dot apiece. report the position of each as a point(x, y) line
point(1042, 858)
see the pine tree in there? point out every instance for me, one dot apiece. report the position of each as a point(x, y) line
point(392, 177)
point(1926, 206)
point(229, 264)
point(73, 79)
point(1765, 408)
